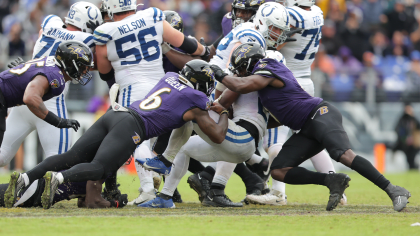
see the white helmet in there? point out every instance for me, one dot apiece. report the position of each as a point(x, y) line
point(116, 6)
point(81, 13)
point(276, 55)
point(291, 3)
point(276, 15)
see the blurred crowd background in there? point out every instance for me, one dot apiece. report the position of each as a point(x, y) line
point(369, 53)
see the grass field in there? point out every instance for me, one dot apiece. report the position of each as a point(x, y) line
point(369, 212)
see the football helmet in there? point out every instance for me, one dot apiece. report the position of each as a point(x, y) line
point(175, 20)
point(251, 5)
point(291, 3)
point(116, 6)
point(276, 55)
point(81, 13)
point(272, 15)
point(75, 58)
point(244, 57)
point(198, 75)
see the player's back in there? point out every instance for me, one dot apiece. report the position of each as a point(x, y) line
point(13, 82)
point(133, 46)
point(164, 107)
point(301, 53)
point(244, 33)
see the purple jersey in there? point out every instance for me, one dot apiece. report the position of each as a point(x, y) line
point(13, 82)
point(290, 105)
point(165, 105)
point(227, 23)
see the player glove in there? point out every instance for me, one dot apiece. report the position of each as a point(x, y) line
point(219, 74)
point(121, 202)
point(291, 33)
point(166, 47)
point(206, 48)
point(93, 25)
point(61, 123)
point(16, 62)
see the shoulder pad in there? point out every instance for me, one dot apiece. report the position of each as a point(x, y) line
point(52, 21)
point(86, 38)
point(158, 14)
point(103, 33)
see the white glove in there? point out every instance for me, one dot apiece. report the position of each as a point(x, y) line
point(165, 48)
point(113, 92)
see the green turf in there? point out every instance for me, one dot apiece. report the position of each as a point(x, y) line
point(369, 212)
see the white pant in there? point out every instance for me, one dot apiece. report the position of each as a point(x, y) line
point(134, 92)
point(21, 122)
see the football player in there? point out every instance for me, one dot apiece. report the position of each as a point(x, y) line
point(21, 121)
point(319, 122)
point(129, 50)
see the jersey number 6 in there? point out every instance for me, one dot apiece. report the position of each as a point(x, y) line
point(134, 50)
point(154, 100)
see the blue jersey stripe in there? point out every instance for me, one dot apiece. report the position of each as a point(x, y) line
point(66, 147)
point(249, 32)
point(262, 42)
point(100, 40)
point(86, 41)
point(287, 22)
point(161, 15)
point(60, 146)
point(276, 131)
point(236, 133)
point(269, 138)
point(300, 16)
point(154, 14)
point(123, 100)
point(46, 22)
point(239, 140)
point(294, 17)
point(128, 96)
point(103, 35)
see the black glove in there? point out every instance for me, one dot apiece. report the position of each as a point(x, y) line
point(122, 201)
point(112, 194)
point(93, 25)
point(290, 33)
point(68, 123)
point(207, 48)
point(16, 62)
point(219, 74)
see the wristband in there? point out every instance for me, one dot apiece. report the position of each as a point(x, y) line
point(52, 119)
point(224, 111)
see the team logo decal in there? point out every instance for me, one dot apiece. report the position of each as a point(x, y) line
point(323, 110)
point(240, 5)
point(209, 72)
point(79, 52)
point(262, 65)
point(176, 21)
point(136, 138)
point(208, 104)
point(54, 83)
point(242, 53)
point(266, 14)
point(255, 2)
point(96, 14)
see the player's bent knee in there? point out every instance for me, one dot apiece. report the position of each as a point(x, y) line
point(279, 174)
point(348, 157)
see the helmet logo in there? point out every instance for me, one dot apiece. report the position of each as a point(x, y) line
point(175, 21)
point(90, 17)
point(262, 11)
point(209, 72)
point(79, 52)
point(242, 53)
point(255, 2)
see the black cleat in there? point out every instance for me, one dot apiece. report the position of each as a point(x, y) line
point(112, 194)
point(398, 195)
point(254, 185)
point(261, 168)
point(176, 197)
point(218, 198)
point(337, 183)
point(200, 185)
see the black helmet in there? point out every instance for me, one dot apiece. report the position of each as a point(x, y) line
point(252, 5)
point(198, 75)
point(75, 58)
point(245, 57)
point(175, 20)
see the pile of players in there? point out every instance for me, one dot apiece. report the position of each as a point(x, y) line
point(160, 83)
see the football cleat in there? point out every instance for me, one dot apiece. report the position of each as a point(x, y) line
point(176, 197)
point(337, 183)
point(51, 186)
point(343, 200)
point(274, 197)
point(200, 184)
point(218, 198)
point(154, 164)
point(16, 183)
point(158, 202)
point(398, 195)
point(143, 197)
point(254, 185)
point(111, 194)
point(261, 169)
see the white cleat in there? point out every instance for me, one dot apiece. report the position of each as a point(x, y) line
point(143, 197)
point(274, 197)
point(343, 200)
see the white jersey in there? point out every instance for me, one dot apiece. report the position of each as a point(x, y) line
point(244, 33)
point(301, 53)
point(133, 47)
point(53, 34)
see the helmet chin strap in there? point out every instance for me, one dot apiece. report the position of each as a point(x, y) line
point(185, 81)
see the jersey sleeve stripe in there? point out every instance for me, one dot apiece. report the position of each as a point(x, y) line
point(103, 35)
point(46, 21)
point(300, 16)
point(88, 39)
point(99, 41)
point(161, 15)
point(154, 14)
point(262, 42)
point(295, 18)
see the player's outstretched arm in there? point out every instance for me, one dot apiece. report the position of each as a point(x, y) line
point(215, 131)
point(179, 59)
point(33, 99)
point(227, 98)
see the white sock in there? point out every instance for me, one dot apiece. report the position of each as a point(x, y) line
point(178, 138)
point(255, 159)
point(60, 177)
point(279, 186)
point(179, 169)
point(322, 162)
point(26, 179)
point(223, 172)
point(145, 176)
point(273, 151)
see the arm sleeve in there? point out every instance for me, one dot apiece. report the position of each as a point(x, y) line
point(178, 138)
point(89, 41)
point(100, 36)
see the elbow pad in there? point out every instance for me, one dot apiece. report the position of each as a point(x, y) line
point(108, 76)
point(189, 45)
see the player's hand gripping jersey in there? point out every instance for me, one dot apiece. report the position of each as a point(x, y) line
point(13, 82)
point(244, 33)
point(133, 47)
point(301, 53)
